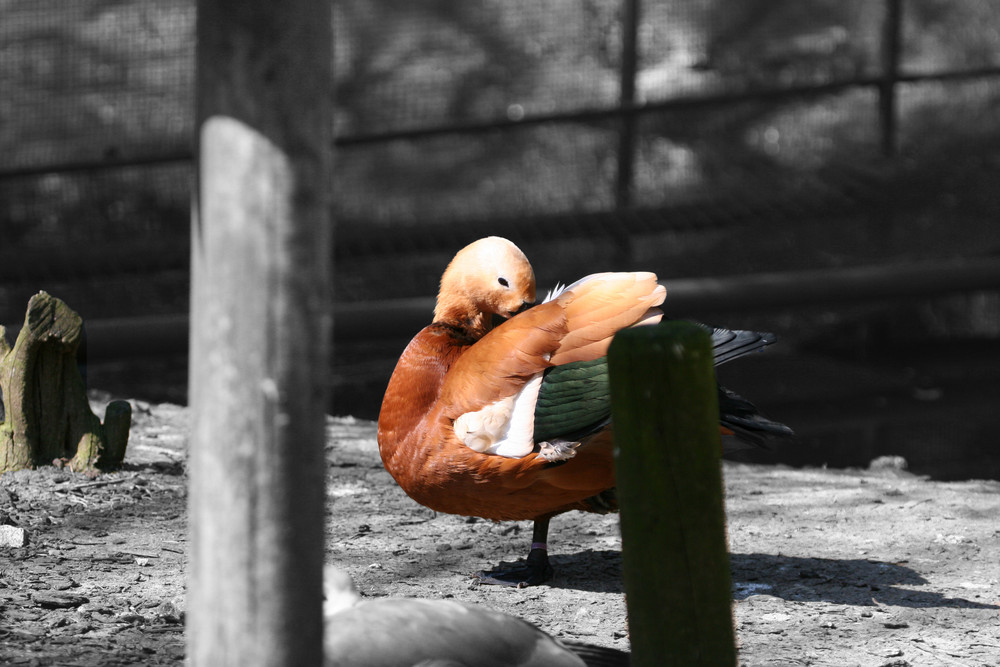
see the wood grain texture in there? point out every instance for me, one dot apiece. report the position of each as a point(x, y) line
point(674, 552)
point(46, 416)
point(260, 333)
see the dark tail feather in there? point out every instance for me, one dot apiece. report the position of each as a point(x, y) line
point(598, 656)
point(751, 428)
point(728, 344)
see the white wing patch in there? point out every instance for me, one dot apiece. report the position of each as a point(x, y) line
point(560, 289)
point(554, 292)
point(506, 427)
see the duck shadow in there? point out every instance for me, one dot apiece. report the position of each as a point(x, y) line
point(588, 570)
point(857, 582)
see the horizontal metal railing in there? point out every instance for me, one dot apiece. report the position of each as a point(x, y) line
point(586, 115)
point(401, 318)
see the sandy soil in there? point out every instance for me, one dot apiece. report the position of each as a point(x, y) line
point(874, 567)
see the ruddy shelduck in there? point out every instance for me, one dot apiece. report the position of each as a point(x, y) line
point(512, 423)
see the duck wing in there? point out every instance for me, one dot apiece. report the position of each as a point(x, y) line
point(491, 390)
point(574, 399)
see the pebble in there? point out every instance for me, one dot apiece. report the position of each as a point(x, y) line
point(58, 600)
point(60, 583)
point(130, 617)
point(168, 612)
point(888, 465)
point(12, 536)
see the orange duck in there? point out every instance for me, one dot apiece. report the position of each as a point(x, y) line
point(512, 423)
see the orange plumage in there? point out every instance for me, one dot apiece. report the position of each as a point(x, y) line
point(447, 371)
point(459, 386)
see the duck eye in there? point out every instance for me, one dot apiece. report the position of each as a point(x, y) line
point(503, 281)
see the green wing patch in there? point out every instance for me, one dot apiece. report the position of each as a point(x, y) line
point(572, 398)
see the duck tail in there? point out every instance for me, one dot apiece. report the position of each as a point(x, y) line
point(729, 344)
point(742, 420)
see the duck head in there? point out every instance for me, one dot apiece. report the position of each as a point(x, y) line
point(488, 277)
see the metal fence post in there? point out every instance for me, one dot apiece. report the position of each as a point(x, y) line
point(892, 29)
point(664, 407)
point(627, 119)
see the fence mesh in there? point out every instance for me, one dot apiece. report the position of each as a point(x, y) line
point(736, 137)
point(500, 114)
point(91, 84)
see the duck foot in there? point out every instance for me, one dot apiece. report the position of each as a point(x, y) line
point(533, 570)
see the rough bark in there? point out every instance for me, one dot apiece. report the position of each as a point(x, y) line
point(46, 415)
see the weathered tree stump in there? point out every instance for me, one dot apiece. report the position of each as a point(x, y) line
point(46, 415)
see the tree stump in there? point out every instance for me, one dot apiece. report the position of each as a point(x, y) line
point(46, 416)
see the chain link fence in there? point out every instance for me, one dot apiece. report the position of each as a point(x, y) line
point(464, 116)
point(690, 137)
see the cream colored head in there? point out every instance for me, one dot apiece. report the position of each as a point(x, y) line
point(489, 276)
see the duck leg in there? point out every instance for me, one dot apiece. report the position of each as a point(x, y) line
point(531, 571)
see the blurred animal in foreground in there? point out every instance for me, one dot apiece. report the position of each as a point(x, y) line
point(405, 632)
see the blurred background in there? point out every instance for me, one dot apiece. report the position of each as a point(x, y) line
point(833, 166)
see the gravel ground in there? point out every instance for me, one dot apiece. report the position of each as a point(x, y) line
point(831, 567)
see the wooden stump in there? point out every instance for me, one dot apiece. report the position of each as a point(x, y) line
point(46, 415)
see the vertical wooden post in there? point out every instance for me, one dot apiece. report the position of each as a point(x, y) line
point(664, 407)
point(892, 29)
point(260, 332)
point(627, 122)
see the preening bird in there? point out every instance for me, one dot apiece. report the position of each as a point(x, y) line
point(513, 422)
point(406, 632)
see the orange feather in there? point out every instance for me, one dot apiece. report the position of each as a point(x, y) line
point(457, 425)
point(452, 367)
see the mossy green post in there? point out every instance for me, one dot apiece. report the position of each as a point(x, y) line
point(46, 413)
point(664, 407)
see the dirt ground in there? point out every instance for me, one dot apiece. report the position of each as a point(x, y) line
point(875, 567)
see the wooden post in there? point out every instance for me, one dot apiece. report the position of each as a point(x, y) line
point(260, 331)
point(664, 407)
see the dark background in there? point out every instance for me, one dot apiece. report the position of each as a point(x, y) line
point(702, 139)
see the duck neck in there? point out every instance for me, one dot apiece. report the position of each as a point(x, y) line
point(463, 315)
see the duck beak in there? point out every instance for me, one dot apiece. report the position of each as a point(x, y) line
point(525, 305)
point(497, 319)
